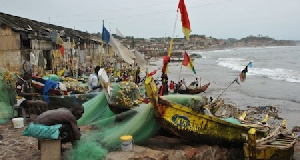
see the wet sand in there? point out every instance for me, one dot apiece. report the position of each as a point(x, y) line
point(14, 146)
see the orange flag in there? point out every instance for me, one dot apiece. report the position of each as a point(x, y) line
point(186, 28)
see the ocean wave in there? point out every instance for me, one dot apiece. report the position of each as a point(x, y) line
point(281, 74)
point(231, 50)
point(236, 64)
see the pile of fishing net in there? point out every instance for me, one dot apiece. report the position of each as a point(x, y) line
point(126, 94)
point(7, 95)
point(196, 103)
point(106, 130)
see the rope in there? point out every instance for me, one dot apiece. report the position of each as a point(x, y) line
point(235, 80)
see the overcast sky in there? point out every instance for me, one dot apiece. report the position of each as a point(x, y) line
point(279, 19)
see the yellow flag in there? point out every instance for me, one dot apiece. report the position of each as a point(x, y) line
point(111, 51)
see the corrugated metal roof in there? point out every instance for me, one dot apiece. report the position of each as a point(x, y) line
point(42, 30)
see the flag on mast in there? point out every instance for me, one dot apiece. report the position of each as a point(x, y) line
point(186, 28)
point(188, 62)
point(244, 71)
point(166, 60)
point(105, 34)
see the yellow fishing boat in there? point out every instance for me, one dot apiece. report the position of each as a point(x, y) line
point(276, 146)
point(184, 122)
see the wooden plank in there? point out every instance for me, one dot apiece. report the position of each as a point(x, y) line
point(50, 149)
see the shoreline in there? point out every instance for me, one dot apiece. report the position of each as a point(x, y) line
point(243, 95)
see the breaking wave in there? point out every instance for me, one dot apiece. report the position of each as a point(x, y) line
point(238, 64)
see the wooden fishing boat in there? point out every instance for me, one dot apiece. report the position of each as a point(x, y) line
point(184, 122)
point(38, 84)
point(278, 145)
point(194, 91)
point(58, 98)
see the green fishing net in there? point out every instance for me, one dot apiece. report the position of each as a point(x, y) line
point(195, 102)
point(7, 95)
point(107, 128)
point(6, 112)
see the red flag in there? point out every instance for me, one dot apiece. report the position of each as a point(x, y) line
point(165, 62)
point(186, 59)
point(62, 50)
point(188, 62)
point(152, 73)
point(186, 28)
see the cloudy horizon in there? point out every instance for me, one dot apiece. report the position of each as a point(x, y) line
point(220, 19)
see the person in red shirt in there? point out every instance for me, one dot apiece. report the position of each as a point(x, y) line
point(171, 87)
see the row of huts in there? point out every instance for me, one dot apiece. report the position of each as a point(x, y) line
point(51, 46)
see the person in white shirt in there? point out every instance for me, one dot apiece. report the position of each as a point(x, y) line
point(183, 87)
point(93, 82)
point(183, 81)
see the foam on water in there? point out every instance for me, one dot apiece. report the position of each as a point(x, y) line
point(238, 64)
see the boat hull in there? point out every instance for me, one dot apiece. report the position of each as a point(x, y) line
point(281, 147)
point(182, 121)
point(194, 91)
point(198, 127)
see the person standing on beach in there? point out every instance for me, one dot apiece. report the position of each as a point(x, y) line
point(183, 81)
point(171, 87)
point(164, 81)
point(137, 75)
point(182, 86)
point(93, 82)
point(196, 83)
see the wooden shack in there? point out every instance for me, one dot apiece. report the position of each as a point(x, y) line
point(24, 39)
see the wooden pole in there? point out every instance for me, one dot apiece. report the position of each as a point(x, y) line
point(171, 42)
point(235, 80)
point(180, 72)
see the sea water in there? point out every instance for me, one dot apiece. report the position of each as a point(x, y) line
point(274, 78)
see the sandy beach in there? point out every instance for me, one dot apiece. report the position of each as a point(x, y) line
point(14, 146)
point(256, 91)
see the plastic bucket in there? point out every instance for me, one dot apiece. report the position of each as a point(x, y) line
point(18, 122)
point(126, 142)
